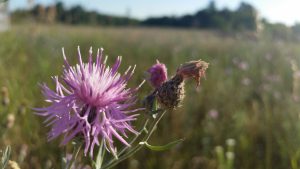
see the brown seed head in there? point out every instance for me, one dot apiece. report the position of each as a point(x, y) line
point(171, 93)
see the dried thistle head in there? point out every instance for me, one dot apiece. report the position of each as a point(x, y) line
point(195, 69)
point(171, 93)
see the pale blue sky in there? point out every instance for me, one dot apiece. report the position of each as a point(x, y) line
point(285, 11)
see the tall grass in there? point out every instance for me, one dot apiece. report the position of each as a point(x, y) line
point(250, 86)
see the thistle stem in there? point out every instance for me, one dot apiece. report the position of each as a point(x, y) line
point(135, 138)
point(137, 147)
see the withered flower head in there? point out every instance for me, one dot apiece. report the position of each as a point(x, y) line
point(171, 93)
point(195, 69)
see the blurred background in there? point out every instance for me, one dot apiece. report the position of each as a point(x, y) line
point(245, 114)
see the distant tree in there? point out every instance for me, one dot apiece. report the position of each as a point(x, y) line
point(60, 12)
point(51, 14)
point(212, 6)
point(245, 17)
point(296, 28)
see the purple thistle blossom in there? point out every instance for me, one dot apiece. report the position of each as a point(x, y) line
point(158, 74)
point(92, 103)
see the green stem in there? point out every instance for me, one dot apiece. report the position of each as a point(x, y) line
point(137, 147)
point(76, 150)
point(135, 138)
point(269, 151)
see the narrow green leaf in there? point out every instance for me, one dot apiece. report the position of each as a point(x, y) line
point(77, 147)
point(5, 157)
point(63, 159)
point(163, 147)
point(100, 156)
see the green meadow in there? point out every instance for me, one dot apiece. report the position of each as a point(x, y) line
point(251, 94)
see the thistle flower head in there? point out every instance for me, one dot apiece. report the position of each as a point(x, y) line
point(158, 74)
point(195, 69)
point(91, 101)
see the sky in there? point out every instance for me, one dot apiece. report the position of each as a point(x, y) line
point(283, 11)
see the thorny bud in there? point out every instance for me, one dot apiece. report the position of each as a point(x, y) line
point(158, 74)
point(195, 69)
point(5, 96)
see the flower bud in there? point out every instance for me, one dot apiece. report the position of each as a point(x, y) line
point(158, 74)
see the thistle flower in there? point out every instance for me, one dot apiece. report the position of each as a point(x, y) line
point(158, 74)
point(92, 103)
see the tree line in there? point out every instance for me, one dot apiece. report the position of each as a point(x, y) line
point(245, 17)
point(75, 15)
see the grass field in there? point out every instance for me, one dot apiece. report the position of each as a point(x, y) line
point(250, 94)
